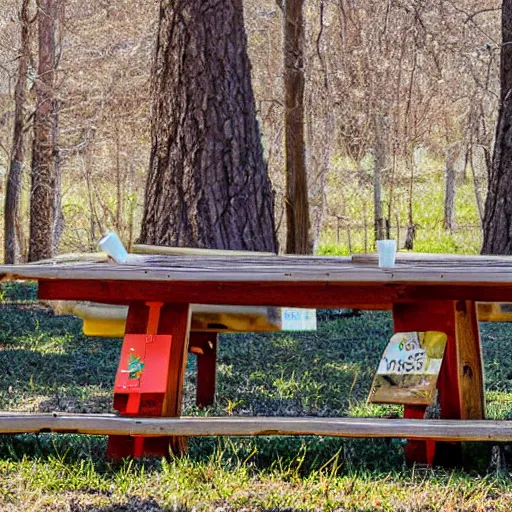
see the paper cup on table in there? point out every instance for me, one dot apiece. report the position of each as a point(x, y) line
point(113, 246)
point(387, 253)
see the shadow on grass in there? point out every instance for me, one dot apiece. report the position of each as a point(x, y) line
point(322, 373)
point(46, 357)
point(150, 505)
point(133, 504)
point(48, 364)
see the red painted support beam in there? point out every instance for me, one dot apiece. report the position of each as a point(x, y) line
point(153, 384)
point(292, 294)
point(460, 383)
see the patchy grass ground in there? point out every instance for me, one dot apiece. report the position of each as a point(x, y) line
point(47, 365)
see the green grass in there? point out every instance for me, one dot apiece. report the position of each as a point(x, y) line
point(47, 364)
point(350, 195)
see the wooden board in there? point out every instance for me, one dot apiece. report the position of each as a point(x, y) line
point(108, 320)
point(469, 361)
point(192, 251)
point(300, 269)
point(75, 257)
point(419, 257)
point(205, 344)
point(99, 424)
point(175, 320)
point(495, 311)
point(294, 294)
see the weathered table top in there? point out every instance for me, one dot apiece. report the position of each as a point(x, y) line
point(274, 280)
point(410, 268)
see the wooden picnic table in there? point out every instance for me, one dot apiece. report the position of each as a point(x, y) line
point(424, 292)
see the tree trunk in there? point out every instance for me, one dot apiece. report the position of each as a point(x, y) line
point(44, 196)
point(297, 205)
point(207, 184)
point(320, 136)
point(497, 223)
point(13, 186)
point(323, 173)
point(58, 216)
point(379, 165)
point(452, 153)
point(411, 226)
point(477, 187)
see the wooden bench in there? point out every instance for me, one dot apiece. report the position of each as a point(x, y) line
point(110, 424)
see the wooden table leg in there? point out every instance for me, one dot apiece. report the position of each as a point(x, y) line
point(166, 328)
point(204, 345)
point(175, 320)
point(460, 384)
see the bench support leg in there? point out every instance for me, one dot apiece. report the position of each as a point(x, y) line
point(204, 345)
point(460, 384)
point(162, 394)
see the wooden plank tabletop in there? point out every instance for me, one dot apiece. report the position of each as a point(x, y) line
point(440, 269)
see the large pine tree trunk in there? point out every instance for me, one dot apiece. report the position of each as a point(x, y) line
point(13, 187)
point(44, 184)
point(497, 224)
point(297, 205)
point(207, 184)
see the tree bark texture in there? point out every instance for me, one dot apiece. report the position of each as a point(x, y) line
point(207, 184)
point(477, 185)
point(44, 180)
point(497, 224)
point(13, 186)
point(297, 205)
point(452, 153)
point(58, 216)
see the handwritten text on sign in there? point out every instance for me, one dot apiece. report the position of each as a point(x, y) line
point(407, 354)
point(296, 319)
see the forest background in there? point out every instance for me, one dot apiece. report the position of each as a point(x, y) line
point(401, 101)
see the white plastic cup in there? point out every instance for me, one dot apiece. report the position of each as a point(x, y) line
point(387, 253)
point(113, 246)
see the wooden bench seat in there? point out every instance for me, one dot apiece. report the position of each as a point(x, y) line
point(110, 424)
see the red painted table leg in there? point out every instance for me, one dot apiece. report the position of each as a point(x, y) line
point(175, 320)
point(460, 383)
point(418, 452)
point(149, 380)
point(204, 345)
